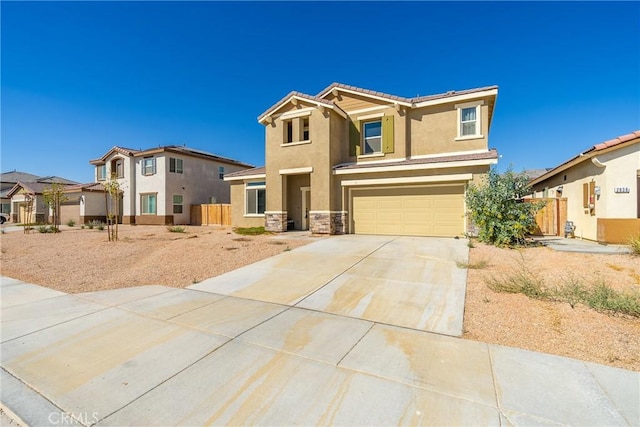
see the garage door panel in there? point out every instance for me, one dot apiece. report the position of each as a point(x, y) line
point(419, 211)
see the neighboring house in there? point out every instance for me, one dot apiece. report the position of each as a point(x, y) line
point(350, 160)
point(9, 179)
point(160, 184)
point(602, 188)
point(84, 203)
point(27, 201)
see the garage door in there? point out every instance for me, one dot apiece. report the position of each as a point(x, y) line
point(414, 211)
point(70, 211)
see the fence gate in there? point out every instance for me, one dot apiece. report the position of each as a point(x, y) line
point(550, 220)
point(218, 214)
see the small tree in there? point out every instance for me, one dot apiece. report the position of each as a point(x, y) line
point(496, 207)
point(28, 212)
point(112, 200)
point(53, 197)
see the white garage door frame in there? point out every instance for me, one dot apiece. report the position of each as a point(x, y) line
point(392, 187)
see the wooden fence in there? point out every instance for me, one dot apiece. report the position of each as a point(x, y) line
point(551, 219)
point(219, 214)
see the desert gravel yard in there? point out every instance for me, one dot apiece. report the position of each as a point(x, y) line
point(78, 260)
point(83, 260)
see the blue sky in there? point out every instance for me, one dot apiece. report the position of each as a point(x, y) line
point(80, 77)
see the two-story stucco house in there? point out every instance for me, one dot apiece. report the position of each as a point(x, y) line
point(602, 188)
point(350, 160)
point(160, 184)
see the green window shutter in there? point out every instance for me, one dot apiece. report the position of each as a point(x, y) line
point(387, 134)
point(354, 138)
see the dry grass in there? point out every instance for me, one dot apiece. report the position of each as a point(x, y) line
point(513, 319)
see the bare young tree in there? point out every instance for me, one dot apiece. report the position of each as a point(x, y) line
point(54, 196)
point(112, 201)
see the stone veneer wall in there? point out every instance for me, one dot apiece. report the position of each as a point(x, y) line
point(275, 221)
point(328, 222)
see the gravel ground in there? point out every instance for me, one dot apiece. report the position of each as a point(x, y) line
point(78, 260)
point(84, 260)
point(517, 321)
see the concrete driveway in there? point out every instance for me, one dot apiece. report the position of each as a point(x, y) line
point(161, 356)
point(404, 281)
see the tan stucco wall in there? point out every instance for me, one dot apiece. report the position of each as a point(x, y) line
point(238, 219)
point(620, 171)
point(315, 154)
point(434, 129)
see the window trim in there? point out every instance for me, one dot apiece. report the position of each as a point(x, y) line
point(174, 204)
point(478, 106)
point(363, 142)
point(142, 196)
point(144, 166)
point(256, 185)
point(176, 169)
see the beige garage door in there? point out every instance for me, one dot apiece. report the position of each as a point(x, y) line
point(70, 211)
point(415, 211)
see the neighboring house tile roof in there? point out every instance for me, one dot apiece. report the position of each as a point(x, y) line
point(17, 176)
point(171, 148)
point(452, 93)
point(491, 154)
point(534, 173)
point(91, 186)
point(30, 187)
point(55, 179)
point(588, 153)
point(247, 172)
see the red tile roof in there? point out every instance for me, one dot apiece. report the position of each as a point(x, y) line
point(587, 154)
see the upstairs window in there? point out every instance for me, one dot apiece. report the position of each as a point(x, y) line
point(288, 131)
point(148, 166)
point(372, 137)
point(101, 172)
point(256, 200)
point(305, 129)
point(469, 120)
point(220, 172)
point(175, 165)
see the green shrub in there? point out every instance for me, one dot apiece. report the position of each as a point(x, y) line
point(71, 223)
point(498, 209)
point(100, 226)
point(249, 231)
point(634, 244)
point(175, 229)
point(43, 229)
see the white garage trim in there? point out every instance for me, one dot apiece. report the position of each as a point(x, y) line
point(350, 222)
point(408, 180)
point(296, 171)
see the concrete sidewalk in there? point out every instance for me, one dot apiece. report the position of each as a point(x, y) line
point(162, 356)
point(562, 244)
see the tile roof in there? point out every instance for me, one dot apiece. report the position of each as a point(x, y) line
point(55, 179)
point(30, 187)
point(615, 141)
point(247, 172)
point(587, 154)
point(16, 176)
point(91, 186)
point(491, 154)
point(299, 95)
point(404, 99)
